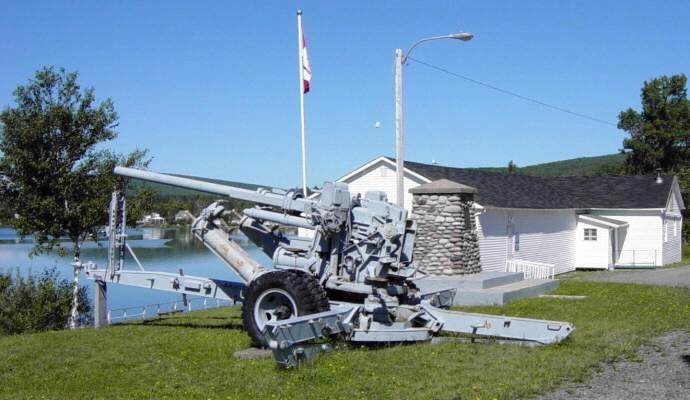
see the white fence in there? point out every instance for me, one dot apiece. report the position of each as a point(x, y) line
point(637, 257)
point(531, 269)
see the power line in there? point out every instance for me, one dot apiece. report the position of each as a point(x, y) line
point(508, 92)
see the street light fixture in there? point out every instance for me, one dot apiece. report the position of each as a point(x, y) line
point(464, 36)
point(400, 60)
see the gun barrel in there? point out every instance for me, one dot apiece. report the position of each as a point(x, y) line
point(261, 196)
point(278, 218)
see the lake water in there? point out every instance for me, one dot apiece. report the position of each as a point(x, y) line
point(159, 249)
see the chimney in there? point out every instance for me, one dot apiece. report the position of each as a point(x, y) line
point(659, 179)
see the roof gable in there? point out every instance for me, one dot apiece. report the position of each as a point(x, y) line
point(675, 203)
point(602, 221)
point(376, 163)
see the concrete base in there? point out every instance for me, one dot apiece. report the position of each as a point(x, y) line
point(487, 288)
point(252, 353)
point(641, 266)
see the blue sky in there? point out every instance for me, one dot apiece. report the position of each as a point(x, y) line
point(210, 88)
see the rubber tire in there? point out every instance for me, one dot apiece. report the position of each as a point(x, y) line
point(310, 297)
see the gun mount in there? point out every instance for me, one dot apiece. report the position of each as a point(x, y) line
point(353, 279)
point(356, 240)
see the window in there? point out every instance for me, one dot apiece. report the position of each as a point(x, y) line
point(590, 234)
point(384, 172)
point(516, 241)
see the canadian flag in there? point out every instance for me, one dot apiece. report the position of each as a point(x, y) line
point(306, 69)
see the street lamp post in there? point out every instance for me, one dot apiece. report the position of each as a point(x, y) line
point(400, 59)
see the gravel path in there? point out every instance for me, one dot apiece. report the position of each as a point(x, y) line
point(678, 277)
point(663, 373)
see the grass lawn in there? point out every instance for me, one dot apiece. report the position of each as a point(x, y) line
point(190, 356)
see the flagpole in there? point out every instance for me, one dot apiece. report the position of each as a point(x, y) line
point(301, 101)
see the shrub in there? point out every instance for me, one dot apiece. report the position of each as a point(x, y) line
point(38, 302)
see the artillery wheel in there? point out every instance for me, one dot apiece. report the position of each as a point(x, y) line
point(279, 295)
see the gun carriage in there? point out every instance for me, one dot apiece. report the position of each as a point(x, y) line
point(354, 279)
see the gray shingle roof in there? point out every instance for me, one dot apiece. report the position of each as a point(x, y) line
point(523, 191)
point(636, 191)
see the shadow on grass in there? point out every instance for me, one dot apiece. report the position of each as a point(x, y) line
point(187, 322)
point(221, 318)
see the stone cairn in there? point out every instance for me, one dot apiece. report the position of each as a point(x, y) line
point(446, 242)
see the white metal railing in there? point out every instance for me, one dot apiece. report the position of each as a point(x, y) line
point(637, 257)
point(531, 269)
point(153, 310)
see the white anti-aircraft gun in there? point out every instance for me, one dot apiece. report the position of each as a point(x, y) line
point(354, 280)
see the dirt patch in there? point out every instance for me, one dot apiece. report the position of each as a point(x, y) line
point(662, 371)
point(677, 277)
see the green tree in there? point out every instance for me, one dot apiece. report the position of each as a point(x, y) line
point(37, 302)
point(609, 169)
point(512, 167)
point(55, 181)
point(660, 133)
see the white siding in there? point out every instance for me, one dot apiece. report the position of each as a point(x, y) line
point(673, 233)
point(593, 253)
point(381, 176)
point(493, 239)
point(641, 241)
point(672, 246)
point(544, 236)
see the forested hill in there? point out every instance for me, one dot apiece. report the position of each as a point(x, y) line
point(599, 165)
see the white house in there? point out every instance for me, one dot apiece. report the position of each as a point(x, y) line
point(570, 222)
point(151, 219)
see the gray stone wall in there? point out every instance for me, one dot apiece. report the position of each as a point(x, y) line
point(446, 241)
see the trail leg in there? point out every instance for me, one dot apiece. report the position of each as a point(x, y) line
point(100, 296)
